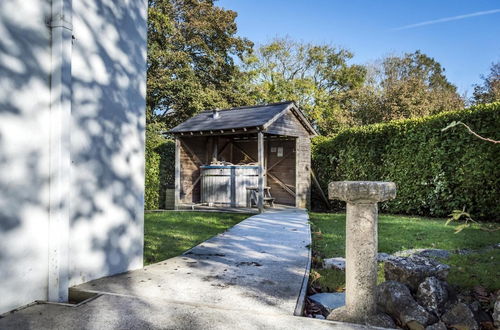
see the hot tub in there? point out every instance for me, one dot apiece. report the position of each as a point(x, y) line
point(226, 184)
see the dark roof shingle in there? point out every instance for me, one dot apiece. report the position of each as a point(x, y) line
point(250, 116)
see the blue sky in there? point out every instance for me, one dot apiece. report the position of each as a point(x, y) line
point(464, 36)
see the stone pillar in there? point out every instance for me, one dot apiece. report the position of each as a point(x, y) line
point(361, 245)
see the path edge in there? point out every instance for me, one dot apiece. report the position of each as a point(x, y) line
point(299, 307)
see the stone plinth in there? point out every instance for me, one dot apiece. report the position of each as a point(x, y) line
point(361, 245)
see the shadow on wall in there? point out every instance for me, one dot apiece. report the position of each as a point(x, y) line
point(107, 143)
point(24, 140)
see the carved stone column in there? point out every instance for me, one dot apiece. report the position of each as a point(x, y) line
point(361, 245)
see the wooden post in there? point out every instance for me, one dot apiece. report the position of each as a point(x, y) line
point(215, 149)
point(260, 152)
point(177, 196)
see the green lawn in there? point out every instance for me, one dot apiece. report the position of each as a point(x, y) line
point(398, 233)
point(170, 233)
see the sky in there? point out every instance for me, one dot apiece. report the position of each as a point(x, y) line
point(464, 36)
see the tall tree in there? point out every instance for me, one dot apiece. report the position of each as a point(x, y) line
point(192, 46)
point(315, 76)
point(409, 86)
point(489, 90)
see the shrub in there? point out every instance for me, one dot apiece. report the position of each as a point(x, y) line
point(160, 164)
point(435, 172)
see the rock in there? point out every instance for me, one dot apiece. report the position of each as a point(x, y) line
point(496, 312)
point(437, 326)
point(482, 318)
point(428, 253)
point(432, 294)
point(413, 270)
point(395, 299)
point(381, 257)
point(435, 253)
point(329, 301)
point(460, 317)
point(381, 320)
point(334, 263)
point(407, 253)
point(319, 316)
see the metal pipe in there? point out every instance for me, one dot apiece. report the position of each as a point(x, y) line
point(59, 150)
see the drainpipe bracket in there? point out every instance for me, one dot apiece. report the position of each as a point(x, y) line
point(59, 21)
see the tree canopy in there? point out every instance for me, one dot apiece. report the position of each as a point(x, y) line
point(408, 86)
point(192, 46)
point(315, 76)
point(489, 90)
point(196, 61)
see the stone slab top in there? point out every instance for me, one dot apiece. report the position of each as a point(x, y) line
point(362, 191)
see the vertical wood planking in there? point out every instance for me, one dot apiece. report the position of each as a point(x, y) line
point(177, 196)
point(260, 151)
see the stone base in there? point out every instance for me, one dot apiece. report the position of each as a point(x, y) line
point(342, 314)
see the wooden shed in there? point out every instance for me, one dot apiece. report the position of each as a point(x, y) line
point(235, 157)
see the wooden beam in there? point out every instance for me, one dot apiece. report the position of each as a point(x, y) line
point(177, 192)
point(281, 184)
point(275, 179)
point(322, 193)
point(279, 161)
point(214, 149)
point(260, 153)
point(223, 148)
point(188, 149)
point(193, 185)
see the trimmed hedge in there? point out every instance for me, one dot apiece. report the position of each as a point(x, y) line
point(435, 172)
point(160, 164)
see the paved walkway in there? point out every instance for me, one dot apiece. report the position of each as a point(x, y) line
point(249, 277)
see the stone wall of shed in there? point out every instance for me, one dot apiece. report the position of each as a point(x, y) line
point(303, 170)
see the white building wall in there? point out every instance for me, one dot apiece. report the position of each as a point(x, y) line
point(24, 151)
point(107, 143)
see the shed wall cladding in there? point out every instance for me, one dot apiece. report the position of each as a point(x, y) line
point(205, 138)
point(303, 167)
point(289, 125)
point(284, 170)
point(193, 154)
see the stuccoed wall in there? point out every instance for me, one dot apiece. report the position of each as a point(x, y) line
point(107, 142)
point(106, 199)
point(24, 151)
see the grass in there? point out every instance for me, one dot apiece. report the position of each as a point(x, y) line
point(170, 233)
point(398, 233)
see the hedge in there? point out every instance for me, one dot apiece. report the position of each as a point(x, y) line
point(435, 171)
point(160, 164)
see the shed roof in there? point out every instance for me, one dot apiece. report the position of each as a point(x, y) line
point(257, 116)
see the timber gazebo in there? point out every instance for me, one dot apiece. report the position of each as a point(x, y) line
point(241, 157)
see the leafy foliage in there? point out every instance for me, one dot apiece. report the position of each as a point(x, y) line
point(435, 171)
point(401, 87)
point(192, 45)
point(458, 215)
point(160, 162)
point(489, 90)
point(317, 77)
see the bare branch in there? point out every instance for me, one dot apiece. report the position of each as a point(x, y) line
point(455, 123)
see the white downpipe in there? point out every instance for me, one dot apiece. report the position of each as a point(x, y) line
point(60, 161)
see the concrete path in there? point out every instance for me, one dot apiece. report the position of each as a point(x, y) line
point(249, 277)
